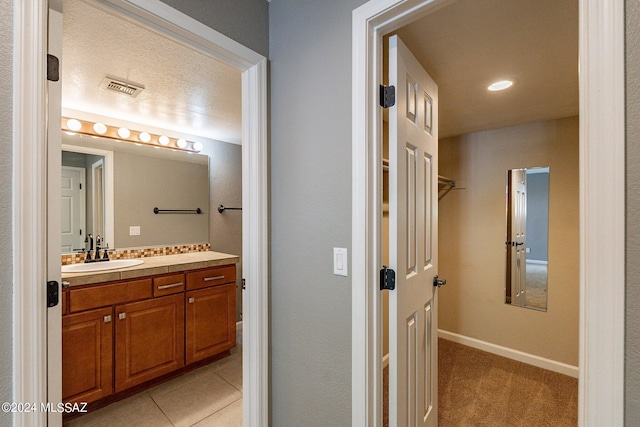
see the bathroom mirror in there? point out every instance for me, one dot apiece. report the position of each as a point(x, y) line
point(110, 188)
point(527, 237)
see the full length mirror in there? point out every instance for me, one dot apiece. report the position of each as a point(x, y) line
point(527, 237)
point(110, 188)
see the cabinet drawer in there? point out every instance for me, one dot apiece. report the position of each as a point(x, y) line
point(104, 295)
point(168, 285)
point(211, 277)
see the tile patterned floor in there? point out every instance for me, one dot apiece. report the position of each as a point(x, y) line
point(210, 396)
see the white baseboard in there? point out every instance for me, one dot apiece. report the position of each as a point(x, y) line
point(385, 361)
point(537, 261)
point(540, 362)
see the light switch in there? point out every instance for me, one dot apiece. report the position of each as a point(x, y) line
point(340, 264)
point(134, 230)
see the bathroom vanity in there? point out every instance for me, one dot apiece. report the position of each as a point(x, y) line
point(127, 328)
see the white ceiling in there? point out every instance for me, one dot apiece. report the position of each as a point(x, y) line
point(471, 43)
point(185, 91)
point(464, 46)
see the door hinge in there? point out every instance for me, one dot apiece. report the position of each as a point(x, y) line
point(244, 284)
point(52, 294)
point(53, 68)
point(387, 96)
point(387, 278)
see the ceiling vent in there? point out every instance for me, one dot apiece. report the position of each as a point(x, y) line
point(122, 86)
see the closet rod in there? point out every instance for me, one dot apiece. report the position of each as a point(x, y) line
point(446, 181)
point(448, 185)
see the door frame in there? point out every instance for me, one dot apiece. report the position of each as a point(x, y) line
point(30, 196)
point(602, 204)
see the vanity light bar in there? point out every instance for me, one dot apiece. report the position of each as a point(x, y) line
point(86, 127)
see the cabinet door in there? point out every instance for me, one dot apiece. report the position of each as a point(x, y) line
point(211, 326)
point(87, 355)
point(149, 339)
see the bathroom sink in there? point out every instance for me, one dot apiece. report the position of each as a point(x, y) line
point(102, 265)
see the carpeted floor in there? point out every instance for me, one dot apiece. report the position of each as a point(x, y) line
point(476, 388)
point(536, 295)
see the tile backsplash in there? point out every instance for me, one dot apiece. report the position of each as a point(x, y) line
point(141, 252)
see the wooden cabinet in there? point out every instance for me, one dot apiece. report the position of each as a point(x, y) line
point(168, 285)
point(64, 301)
point(210, 321)
point(122, 334)
point(87, 355)
point(211, 277)
point(149, 339)
point(109, 294)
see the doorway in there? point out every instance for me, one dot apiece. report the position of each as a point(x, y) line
point(600, 398)
point(30, 353)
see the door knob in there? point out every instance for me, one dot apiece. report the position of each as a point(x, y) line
point(439, 282)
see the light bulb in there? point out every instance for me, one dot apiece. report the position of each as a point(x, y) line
point(197, 146)
point(163, 140)
point(74, 124)
point(100, 128)
point(124, 133)
point(144, 137)
point(501, 85)
point(182, 143)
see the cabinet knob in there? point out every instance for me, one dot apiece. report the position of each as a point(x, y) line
point(192, 300)
point(122, 316)
point(107, 319)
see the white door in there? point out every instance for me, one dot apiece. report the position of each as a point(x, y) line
point(72, 208)
point(517, 235)
point(413, 241)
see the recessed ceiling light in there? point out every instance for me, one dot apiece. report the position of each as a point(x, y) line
point(501, 85)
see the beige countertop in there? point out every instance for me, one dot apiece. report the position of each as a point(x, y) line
point(152, 266)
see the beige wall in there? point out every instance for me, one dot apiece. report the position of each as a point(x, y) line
point(142, 183)
point(472, 233)
point(225, 188)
